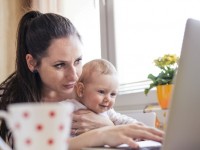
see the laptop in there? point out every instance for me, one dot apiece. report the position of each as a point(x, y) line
point(183, 122)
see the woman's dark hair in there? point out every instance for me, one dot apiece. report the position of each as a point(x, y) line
point(35, 34)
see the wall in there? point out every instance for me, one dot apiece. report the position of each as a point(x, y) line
point(10, 12)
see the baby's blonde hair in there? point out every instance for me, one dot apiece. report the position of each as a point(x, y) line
point(100, 66)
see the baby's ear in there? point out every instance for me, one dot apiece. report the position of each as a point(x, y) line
point(79, 89)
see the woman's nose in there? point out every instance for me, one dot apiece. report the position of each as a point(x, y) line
point(72, 73)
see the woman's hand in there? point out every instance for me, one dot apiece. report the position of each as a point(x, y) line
point(116, 135)
point(129, 134)
point(85, 120)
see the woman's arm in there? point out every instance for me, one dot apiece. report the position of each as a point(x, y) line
point(86, 120)
point(115, 135)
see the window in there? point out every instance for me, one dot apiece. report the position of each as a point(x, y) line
point(144, 30)
point(134, 33)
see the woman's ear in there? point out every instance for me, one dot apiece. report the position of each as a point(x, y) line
point(31, 62)
point(79, 89)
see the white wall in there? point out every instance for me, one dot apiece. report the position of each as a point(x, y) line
point(10, 12)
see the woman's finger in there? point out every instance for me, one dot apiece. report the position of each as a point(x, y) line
point(77, 131)
point(76, 125)
point(144, 134)
point(156, 131)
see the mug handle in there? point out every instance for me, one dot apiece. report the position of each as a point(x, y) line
point(3, 145)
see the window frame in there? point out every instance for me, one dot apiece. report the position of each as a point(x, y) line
point(131, 95)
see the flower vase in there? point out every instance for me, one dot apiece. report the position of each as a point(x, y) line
point(164, 93)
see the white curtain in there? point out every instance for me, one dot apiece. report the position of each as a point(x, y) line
point(44, 6)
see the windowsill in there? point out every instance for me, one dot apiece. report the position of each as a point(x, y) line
point(134, 101)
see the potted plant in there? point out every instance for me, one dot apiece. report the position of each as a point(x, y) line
point(168, 65)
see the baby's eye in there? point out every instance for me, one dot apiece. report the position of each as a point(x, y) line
point(113, 94)
point(101, 91)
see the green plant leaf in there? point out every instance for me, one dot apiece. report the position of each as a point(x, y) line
point(168, 66)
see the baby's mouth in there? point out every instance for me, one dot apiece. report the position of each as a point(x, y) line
point(104, 106)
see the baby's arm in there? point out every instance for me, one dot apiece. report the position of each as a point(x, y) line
point(118, 118)
point(84, 120)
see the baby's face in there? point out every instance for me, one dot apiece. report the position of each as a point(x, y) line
point(100, 93)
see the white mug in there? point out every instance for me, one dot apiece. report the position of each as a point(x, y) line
point(39, 126)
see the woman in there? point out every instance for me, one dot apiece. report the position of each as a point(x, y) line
point(48, 64)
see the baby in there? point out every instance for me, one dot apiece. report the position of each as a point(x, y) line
point(97, 90)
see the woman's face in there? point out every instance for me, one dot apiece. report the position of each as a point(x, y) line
point(61, 68)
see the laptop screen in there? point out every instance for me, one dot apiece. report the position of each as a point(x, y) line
point(183, 125)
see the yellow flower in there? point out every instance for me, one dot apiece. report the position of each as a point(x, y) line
point(166, 60)
point(168, 65)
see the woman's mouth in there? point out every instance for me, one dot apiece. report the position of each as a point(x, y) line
point(69, 86)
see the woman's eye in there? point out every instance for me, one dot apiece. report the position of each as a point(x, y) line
point(59, 66)
point(78, 61)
